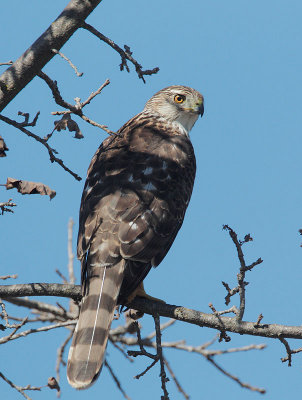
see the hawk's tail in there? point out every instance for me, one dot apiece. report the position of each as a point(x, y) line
point(86, 354)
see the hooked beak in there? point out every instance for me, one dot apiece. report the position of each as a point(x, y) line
point(201, 109)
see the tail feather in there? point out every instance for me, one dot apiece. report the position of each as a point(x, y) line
point(86, 354)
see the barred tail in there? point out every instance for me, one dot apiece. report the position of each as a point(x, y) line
point(86, 354)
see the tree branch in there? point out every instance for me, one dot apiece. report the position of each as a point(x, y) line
point(125, 54)
point(50, 150)
point(190, 316)
point(16, 77)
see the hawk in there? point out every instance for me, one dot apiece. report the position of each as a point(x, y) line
point(137, 190)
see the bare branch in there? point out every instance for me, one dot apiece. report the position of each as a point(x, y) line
point(7, 63)
point(159, 350)
point(93, 94)
point(234, 378)
point(178, 385)
point(288, 350)
point(4, 208)
point(125, 54)
point(15, 276)
point(241, 275)
point(259, 319)
point(142, 351)
point(41, 307)
point(60, 353)
point(26, 119)
point(69, 62)
point(22, 71)
point(75, 109)
point(37, 330)
point(61, 276)
point(162, 327)
point(118, 384)
point(51, 151)
point(18, 388)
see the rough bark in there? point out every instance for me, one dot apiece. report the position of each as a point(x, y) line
point(229, 324)
point(23, 70)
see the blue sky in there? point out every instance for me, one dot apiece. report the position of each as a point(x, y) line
point(245, 57)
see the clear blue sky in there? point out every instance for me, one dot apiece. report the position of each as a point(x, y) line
point(245, 57)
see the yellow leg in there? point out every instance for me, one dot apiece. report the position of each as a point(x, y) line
point(140, 292)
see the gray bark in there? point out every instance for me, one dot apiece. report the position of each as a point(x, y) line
point(16, 77)
point(228, 324)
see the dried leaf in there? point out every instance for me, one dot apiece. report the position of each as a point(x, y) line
point(62, 123)
point(53, 384)
point(3, 147)
point(26, 187)
point(67, 122)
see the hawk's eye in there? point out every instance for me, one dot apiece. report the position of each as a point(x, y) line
point(179, 98)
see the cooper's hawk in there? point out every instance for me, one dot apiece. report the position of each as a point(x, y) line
point(138, 187)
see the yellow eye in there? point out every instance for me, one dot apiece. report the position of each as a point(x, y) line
point(179, 98)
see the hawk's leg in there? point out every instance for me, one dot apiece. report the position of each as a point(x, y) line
point(140, 292)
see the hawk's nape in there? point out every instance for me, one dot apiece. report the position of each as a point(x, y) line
point(137, 190)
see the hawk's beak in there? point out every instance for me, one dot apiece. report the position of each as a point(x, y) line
point(200, 109)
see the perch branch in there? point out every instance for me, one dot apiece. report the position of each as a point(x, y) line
point(180, 313)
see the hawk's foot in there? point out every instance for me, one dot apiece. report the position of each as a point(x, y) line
point(140, 292)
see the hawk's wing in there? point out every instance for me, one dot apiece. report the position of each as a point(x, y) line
point(137, 190)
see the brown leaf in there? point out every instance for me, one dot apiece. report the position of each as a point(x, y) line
point(67, 122)
point(26, 187)
point(53, 384)
point(3, 147)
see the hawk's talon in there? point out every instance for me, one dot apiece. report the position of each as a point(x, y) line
point(140, 292)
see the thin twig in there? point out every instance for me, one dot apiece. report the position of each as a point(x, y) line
point(14, 386)
point(42, 329)
point(5, 316)
point(50, 150)
point(125, 54)
point(146, 370)
point(176, 381)
point(41, 306)
point(60, 353)
point(288, 350)
point(26, 119)
point(61, 276)
point(159, 349)
point(3, 278)
point(93, 94)
point(7, 63)
point(118, 384)
point(122, 351)
point(241, 274)
point(236, 379)
point(142, 351)
point(75, 109)
point(164, 326)
point(69, 62)
point(284, 359)
point(4, 208)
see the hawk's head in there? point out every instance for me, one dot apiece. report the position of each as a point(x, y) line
point(180, 104)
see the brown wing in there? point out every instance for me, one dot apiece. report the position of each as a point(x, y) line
point(138, 187)
point(137, 190)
